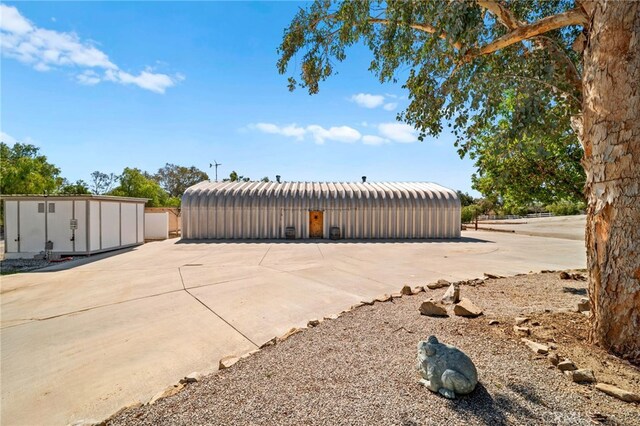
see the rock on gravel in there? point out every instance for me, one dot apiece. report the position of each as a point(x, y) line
point(581, 376)
point(621, 394)
point(170, 391)
point(406, 290)
point(227, 362)
point(538, 348)
point(466, 308)
point(433, 309)
point(567, 365)
point(438, 284)
point(521, 320)
point(452, 295)
point(521, 331)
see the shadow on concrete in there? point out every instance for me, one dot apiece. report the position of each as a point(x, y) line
point(343, 241)
point(575, 290)
point(82, 260)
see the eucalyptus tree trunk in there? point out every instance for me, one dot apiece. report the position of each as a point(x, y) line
point(611, 139)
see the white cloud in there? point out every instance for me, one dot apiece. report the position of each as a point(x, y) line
point(340, 134)
point(88, 77)
point(390, 106)
point(373, 140)
point(290, 130)
point(367, 100)
point(47, 49)
point(7, 138)
point(318, 133)
point(398, 132)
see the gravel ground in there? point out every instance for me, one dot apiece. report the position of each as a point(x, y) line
point(12, 266)
point(359, 369)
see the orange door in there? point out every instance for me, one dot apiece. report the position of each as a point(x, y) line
point(315, 224)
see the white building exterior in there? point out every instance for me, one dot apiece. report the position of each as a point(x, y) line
point(68, 225)
point(253, 210)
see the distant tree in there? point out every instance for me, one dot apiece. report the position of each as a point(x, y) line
point(176, 179)
point(265, 179)
point(235, 177)
point(80, 187)
point(102, 183)
point(465, 199)
point(23, 170)
point(134, 183)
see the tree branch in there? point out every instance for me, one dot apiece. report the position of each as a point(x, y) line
point(503, 14)
point(421, 27)
point(565, 19)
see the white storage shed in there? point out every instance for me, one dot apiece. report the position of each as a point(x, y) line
point(71, 225)
point(362, 210)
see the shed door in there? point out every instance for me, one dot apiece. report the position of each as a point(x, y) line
point(32, 219)
point(11, 226)
point(315, 224)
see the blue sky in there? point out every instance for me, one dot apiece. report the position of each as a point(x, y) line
point(103, 86)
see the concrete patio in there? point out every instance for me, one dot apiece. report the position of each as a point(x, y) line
point(80, 342)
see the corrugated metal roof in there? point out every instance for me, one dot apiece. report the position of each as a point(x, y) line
point(407, 190)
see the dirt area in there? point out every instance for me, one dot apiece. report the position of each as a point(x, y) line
point(360, 368)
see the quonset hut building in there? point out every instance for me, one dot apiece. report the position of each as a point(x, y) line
point(272, 210)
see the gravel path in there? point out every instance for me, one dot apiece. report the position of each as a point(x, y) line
point(359, 369)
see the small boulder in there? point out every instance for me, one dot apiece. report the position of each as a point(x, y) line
point(313, 323)
point(553, 359)
point(289, 333)
point(452, 295)
point(584, 305)
point(332, 317)
point(565, 275)
point(521, 331)
point(438, 284)
point(621, 394)
point(433, 309)
point(227, 362)
point(191, 378)
point(466, 308)
point(521, 320)
point(567, 365)
point(406, 290)
point(492, 276)
point(494, 322)
point(581, 376)
point(538, 348)
point(418, 289)
point(383, 298)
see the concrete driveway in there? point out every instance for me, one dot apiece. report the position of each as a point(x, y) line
point(82, 342)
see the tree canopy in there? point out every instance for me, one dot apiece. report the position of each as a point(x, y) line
point(458, 60)
point(23, 170)
point(176, 179)
point(134, 183)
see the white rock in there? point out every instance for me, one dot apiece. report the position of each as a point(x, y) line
point(227, 362)
point(567, 365)
point(521, 320)
point(452, 295)
point(536, 347)
point(621, 394)
point(521, 331)
point(170, 391)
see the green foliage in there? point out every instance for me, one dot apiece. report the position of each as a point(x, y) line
point(541, 167)
point(134, 183)
point(509, 110)
point(176, 179)
point(235, 177)
point(469, 213)
point(465, 199)
point(265, 179)
point(566, 208)
point(80, 187)
point(23, 170)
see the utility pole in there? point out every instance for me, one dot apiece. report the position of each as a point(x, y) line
point(216, 164)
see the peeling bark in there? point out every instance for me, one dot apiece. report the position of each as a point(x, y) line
point(611, 140)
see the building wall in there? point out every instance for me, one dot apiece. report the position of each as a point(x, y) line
point(156, 226)
point(102, 224)
point(371, 210)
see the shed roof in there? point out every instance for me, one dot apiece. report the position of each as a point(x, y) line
point(72, 197)
point(390, 190)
